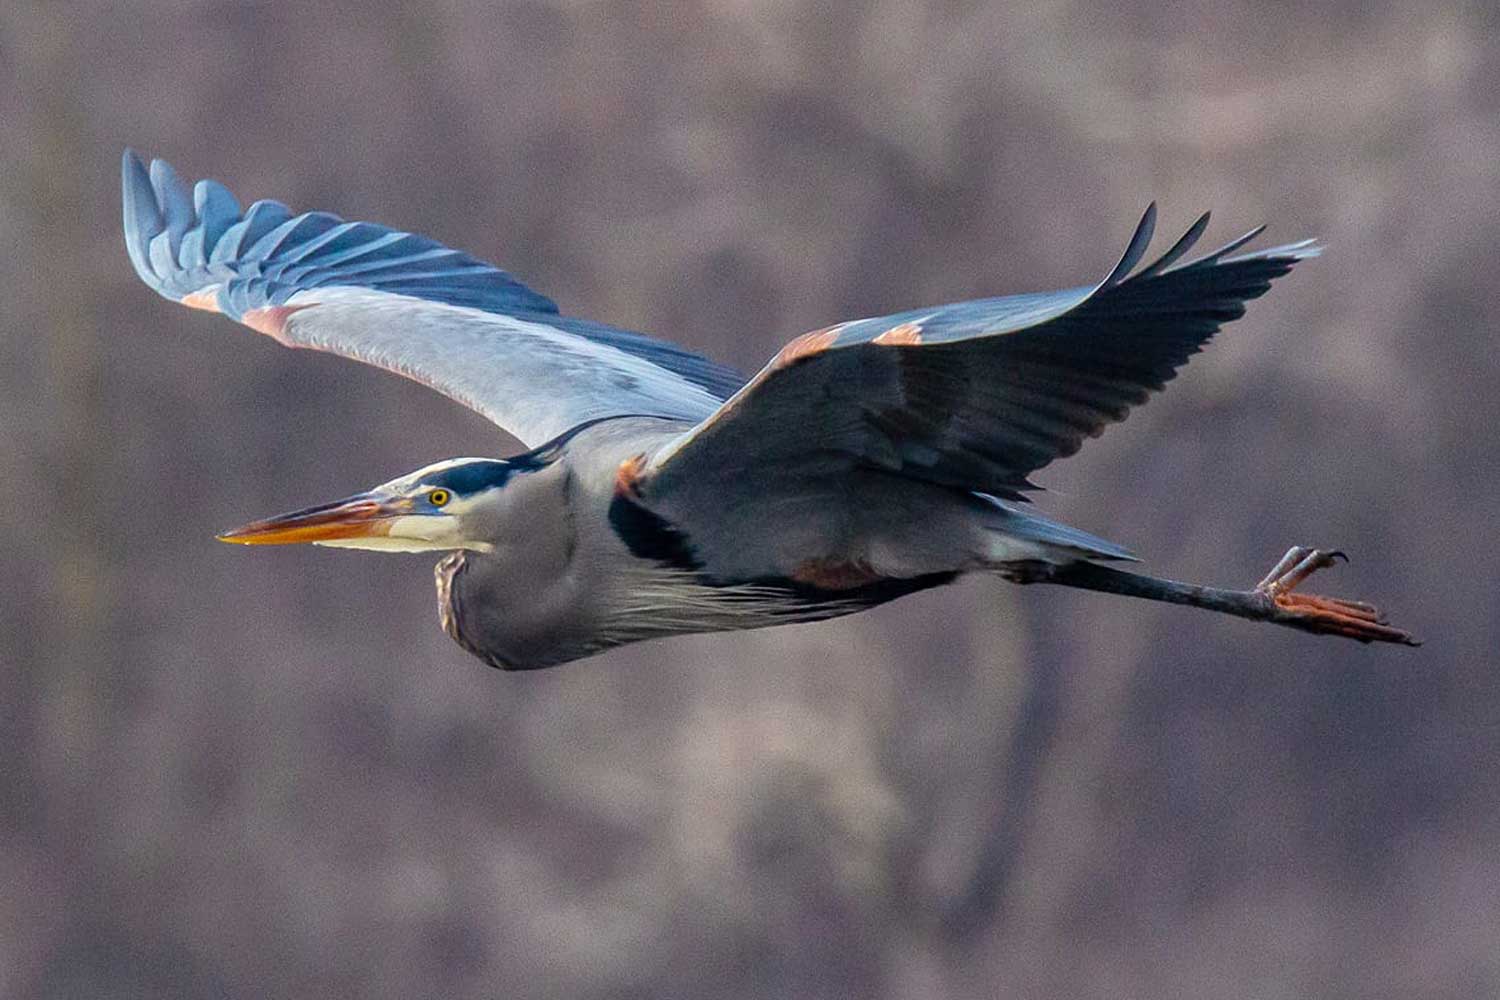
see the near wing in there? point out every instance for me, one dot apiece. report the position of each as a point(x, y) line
point(406, 304)
point(977, 395)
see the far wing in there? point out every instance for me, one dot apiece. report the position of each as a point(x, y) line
point(976, 395)
point(404, 303)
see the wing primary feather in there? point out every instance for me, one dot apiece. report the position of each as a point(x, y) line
point(1137, 248)
point(1301, 250)
point(345, 259)
point(304, 227)
point(370, 270)
point(1230, 247)
point(325, 244)
point(217, 209)
point(1182, 246)
point(143, 218)
point(176, 206)
point(260, 218)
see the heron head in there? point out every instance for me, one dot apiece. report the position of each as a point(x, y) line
point(447, 505)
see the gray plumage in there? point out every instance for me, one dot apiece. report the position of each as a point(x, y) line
point(666, 494)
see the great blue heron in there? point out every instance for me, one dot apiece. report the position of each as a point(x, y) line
point(665, 493)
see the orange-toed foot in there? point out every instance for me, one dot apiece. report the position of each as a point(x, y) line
point(1322, 615)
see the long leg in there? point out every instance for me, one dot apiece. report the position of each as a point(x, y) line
point(1272, 600)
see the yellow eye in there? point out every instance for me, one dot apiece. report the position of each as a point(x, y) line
point(438, 497)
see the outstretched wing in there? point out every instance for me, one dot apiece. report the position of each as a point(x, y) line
point(404, 303)
point(977, 395)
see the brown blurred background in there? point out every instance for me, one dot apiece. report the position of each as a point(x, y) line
point(247, 773)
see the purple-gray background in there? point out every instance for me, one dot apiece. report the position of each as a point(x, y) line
point(254, 773)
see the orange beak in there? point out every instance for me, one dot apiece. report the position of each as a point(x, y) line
point(357, 517)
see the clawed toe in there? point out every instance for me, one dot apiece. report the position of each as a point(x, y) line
point(1323, 615)
point(1334, 605)
point(1332, 617)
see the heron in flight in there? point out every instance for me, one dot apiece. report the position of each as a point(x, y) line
point(664, 493)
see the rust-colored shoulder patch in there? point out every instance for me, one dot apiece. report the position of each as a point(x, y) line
point(271, 321)
point(808, 345)
point(206, 299)
point(628, 477)
point(905, 335)
point(835, 574)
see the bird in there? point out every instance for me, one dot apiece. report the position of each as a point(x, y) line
point(663, 493)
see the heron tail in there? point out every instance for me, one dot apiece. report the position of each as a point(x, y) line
point(1029, 527)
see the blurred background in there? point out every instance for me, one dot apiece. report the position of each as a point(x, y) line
point(256, 773)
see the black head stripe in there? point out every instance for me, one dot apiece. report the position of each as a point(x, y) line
point(482, 474)
point(472, 477)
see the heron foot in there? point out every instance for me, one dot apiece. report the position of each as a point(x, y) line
point(1322, 615)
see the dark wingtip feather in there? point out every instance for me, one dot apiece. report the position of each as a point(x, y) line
point(1144, 230)
point(1228, 248)
point(1182, 246)
point(1301, 250)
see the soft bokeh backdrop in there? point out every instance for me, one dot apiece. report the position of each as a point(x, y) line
point(259, 773)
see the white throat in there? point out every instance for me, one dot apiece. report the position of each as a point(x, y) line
point(415, 533)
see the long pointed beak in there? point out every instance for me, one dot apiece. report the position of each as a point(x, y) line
point(355, 517)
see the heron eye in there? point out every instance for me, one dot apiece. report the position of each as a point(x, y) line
point(438, 497)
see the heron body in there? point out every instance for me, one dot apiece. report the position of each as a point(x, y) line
point(559, 561)
point(666, 494)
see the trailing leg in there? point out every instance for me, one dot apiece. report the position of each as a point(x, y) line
point(1272, 600)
